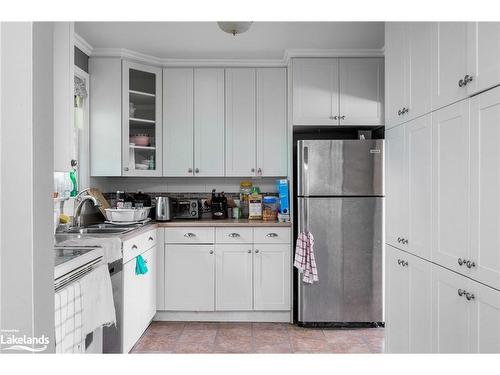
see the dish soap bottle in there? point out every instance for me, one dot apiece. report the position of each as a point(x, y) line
point(72, 176)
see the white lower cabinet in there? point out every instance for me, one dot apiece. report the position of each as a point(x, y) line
point(189, 277)
point(466, 314)
point(408, 303)
point(139, 300)
point(233, 280)
point(271, 281)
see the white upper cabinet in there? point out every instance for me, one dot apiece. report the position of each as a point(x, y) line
point(396, 67)
point(485, 174)
point(451, 186)
point(419, 165)
point(484, 55)
point(450, 74)
point(315, 91)
point(361, 91)
point(208, 122)
point(233, 282)
point(142, 120)
point(271, 122)
point(485, 328)
point(419, 85)
point(240, 122)
point(178, 120)
point(396, 187)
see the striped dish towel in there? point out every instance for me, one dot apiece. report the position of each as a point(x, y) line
point(304, 257)
point(68, 320)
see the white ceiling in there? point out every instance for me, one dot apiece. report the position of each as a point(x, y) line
point(204, 40)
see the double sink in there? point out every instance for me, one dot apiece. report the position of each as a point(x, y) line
point(98, 229)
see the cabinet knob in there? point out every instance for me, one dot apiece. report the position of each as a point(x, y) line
point(404, 263)
point(259, 171)
point(399, 261)
point(470, 264)
point(399, 112)
point(150, 238)
point(134, 247)
point(252, 170)
point(461, 83)
point(467, 79)
point(342, 117)
point(249, 251)
point(399, 239)
point(469, 296)
point(405, 241)
point(461, 261)
point(211, 252)
point(190, 170)
point(125, 169)
point(197, 170)
point(461, 292)
point(332, 117)
point(256, 251)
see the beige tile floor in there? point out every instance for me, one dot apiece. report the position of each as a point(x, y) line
point(201, 337)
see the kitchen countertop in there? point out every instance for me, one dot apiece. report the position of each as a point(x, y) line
point(221, 223)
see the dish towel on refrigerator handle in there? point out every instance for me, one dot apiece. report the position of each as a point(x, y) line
point(304, 257)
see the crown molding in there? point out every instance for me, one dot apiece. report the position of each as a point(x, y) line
point(82, 44)
point(373, 52)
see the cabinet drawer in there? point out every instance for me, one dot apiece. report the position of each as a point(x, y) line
point(234, 235)
point(189, 235)
point(271, 235)
point(139, 244)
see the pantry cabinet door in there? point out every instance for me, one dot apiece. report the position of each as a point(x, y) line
point(451, 312)
point(240, 122)
point(485, 319)
point(233, 282)
point(484, 55)
point(396, 187)
point(208, 122)
point(419, 162)
point(189, 277)
point(485, 174)
point(451, 185)
point(315, 91)
point(271, 122)
point(361, 91)
point(178, 120)
point(449, 62)
point(272, 277)
point(420, 59)
point(396, 68)
point(397, 300)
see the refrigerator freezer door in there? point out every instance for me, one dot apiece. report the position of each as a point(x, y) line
point(348, 240)
point(340, 167)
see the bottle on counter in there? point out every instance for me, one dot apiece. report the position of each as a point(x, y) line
point(245, 191)
point(120, 199)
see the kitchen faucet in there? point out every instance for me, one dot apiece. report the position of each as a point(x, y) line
point(82, 197)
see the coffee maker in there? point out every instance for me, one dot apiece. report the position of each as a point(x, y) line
point(219, 205)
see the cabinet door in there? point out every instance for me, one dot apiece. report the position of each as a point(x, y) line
point(142, 120)
point(233, 282)
point(449, 62)
point(419, 68)
point(397, 303)
point(485, 319)
point(315, 91)
point(396, 187)
point(361, 91)
point(240, 122)
point(485, 175)
point(419, 159)
point(396, 67)
point(272, 277)
point(209, 122)
point(139, 299)
point(271, 122)
point(451, 313)
point(189, 277)
point(451, 185)
point(178, 118)
point(484, 55)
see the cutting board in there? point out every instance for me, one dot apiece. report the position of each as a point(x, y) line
point(96, 193)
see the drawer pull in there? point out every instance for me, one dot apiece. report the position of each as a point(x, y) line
point(272, 235)
point(150, 238)
point(190, 235)
point(234, 235)
point(134, 247)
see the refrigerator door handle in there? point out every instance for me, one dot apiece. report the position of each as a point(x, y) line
point(305, 170)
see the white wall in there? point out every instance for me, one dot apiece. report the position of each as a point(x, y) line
point(26, 167)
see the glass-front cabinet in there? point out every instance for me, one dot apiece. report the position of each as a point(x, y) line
point(142, 120)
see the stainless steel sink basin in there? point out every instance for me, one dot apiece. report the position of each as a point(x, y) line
point(114, 230)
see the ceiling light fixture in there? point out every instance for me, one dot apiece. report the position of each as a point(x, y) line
point(234, 27)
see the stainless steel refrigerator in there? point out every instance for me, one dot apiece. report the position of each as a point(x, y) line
point(340, 199)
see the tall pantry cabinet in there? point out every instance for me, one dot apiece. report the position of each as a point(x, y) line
point(442, 180)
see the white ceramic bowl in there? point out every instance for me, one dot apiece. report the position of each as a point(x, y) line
point(124, 214)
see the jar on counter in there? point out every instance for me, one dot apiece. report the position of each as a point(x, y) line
point(270, 208)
